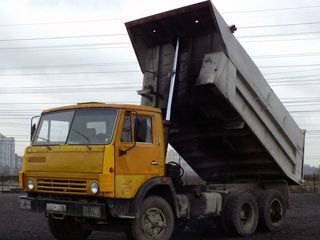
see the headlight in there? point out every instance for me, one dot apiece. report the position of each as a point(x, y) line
point(94, 187)
point(30, 184)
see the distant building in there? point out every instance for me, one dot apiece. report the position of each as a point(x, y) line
point(7, 156)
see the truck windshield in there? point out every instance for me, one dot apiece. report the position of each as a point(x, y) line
point(83, 126)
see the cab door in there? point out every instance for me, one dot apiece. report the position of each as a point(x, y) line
point(136, 153)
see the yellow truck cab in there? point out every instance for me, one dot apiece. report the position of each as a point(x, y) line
point(95, 149)
point(91, 160)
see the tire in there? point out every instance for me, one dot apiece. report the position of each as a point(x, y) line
point(272, 211)
point(156, 220)
point(67, 229)
point(240, 214)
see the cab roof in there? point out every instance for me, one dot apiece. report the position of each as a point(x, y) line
point(103, 105)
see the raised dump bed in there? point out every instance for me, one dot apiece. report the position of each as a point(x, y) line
point(227, 123)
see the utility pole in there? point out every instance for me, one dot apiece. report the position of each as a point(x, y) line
point(314, 181)
point(2, 180)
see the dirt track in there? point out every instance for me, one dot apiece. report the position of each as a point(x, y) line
point(303, 222)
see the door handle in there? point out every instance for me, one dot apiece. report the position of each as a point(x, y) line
point(154, 163)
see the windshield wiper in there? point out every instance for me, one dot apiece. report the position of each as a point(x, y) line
point(48, 141)
point(84, 136)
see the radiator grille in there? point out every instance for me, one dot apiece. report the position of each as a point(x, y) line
point(61, 185)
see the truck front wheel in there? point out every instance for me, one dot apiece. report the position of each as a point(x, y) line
point(155, 221)
point(67, 229)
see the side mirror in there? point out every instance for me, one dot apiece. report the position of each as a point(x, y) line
point(33, 127)
point(33, 130)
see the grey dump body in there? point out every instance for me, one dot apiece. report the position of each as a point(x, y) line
point(226, 121)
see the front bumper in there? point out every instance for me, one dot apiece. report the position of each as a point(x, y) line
point(62, 207)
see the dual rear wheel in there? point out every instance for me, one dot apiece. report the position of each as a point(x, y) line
point(272, 210)
point(243, 212)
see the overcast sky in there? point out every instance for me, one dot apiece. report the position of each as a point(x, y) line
point(62, 52)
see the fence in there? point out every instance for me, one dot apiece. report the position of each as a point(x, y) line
point(311, 184)
point(8, 183)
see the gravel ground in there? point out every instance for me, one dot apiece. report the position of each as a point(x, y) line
point(303, 222)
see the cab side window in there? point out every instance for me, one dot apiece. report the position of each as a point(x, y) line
point(126, 135)
point(143, 129)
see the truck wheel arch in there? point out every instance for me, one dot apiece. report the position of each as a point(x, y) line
point(159, 186)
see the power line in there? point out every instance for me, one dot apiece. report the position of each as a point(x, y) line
point(289, 80)
point(25, 112)
point(68, 49)
point(126, 19)
point(105, 64)
point(296, 71)
point(98, 79)
point(14, 118)
point(57, 103)
point(18, 135)
point(289, 66)
point(280, 25)
point(272, 10)
point(126, 63)
point(103, 45)
point(278, 34)
point(278, 40)
point(20, 110)
point(304, 76)
point(287, 55)
point(127, 84)
point(70, 73)
point(294, 84)
point(71, 86)
point(293, 80)
point(75, 48)
point(82, 90)
point(62, 22)
point(125, 34)
point(75, 91)
point(300, 100)
point(11, 126)
point(316, 111)
point(63, 46)
point(64, 37)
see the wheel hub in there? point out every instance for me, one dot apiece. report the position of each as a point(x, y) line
point(153, 223)
point(276, 211)
point(246, 214)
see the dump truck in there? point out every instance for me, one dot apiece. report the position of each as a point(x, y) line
point(98, 166)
